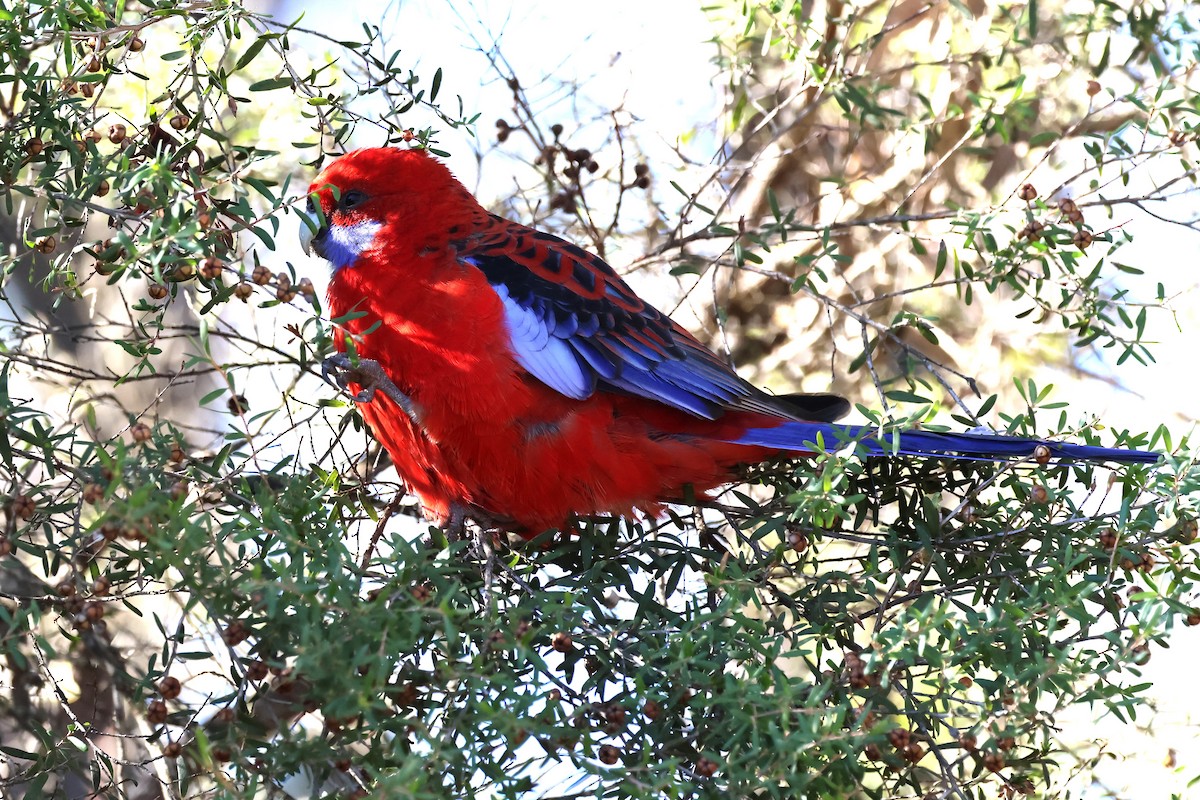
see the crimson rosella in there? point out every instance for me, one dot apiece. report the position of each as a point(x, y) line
point(511, 374)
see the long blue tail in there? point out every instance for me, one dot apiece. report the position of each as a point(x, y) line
point(802, 436)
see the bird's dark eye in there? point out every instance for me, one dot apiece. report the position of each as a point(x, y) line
point(352, 198)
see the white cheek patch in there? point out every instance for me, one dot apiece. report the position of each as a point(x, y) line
point(345, 243)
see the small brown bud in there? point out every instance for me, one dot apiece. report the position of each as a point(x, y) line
point(899, 738)
point(101, 587)
point(1177, 137)
point(968, 742)
point(34, 146)
point(172, 749)
point(95, 64)
point(45, 244)
point(993, 761)
point(261, 275)
point(592, 166)
point(65, 588)
point(140, 432)
point(1192, 619)
point(1141, 653)
point(1041, 454)
point(221, 754)
point(561, 642)
point(913, 753)
point(156, 712)
point(243, 291)
point(871, 751)
point(22, 506)
point(211, 267)
point(1108, 539)
point(609, 754)
point(136, 45)
point(1006, 743)
point(706, 768)
point(237, 404)
point(1093, 88)
point(306, 288)
point(256, 670)
point(157, 291)
point(183, 272)
point(1083, 239)
point(117, 133)
point(652, 710)
point(180, 121)
point(6, 546)
point(87, 90)
point(556, 129)
point(1038, 494)
point(102, 188)
point(796, 540)
point(93, 493)
point(169, 687)
point(94, 135)
point(1027, 192)
point(235, 633)
point(408, 134)
point(643, 182)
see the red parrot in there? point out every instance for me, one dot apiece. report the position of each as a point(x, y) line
point(510, 373)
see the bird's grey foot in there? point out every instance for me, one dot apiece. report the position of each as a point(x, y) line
point(340, 371)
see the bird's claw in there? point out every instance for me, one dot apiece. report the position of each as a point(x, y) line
point(368, 374)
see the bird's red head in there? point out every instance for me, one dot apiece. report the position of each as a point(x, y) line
point(382, 192)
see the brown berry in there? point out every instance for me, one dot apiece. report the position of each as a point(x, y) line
point(1108, 539)
point(221, 754)
point(408, 134)
point(157, 291)
point(1027, 192)
point(172, 750)
point(102, 188)
point(609, 754)
point(140, 432)
point(177, 455)
point(871, 751)
point(243, 291)
point(156, 712)
point(94, 611)
point(706, 768)
point(284, 292)
point(899, 738)
point(211, 267)
point(256, 670)
point(93, 493)
point(1039, 494)
point(913, 753)
point(306, 288)
point(652, 710)
point(1006, 743)
point(66, 588)
point(561, 642)
point(34, 146)
point(95, 64)
point(1041, 454)
point(238, 404)
point(643, 182)
point(225, 716)
point(169, 687)
point(180, 121)
point(1083, 239)
point(261, 275)
point(22, 506)
point(101, 587)
point(968, 742)
point(45, 244)
point(87, 90)
point(797, 541)
point(993, 761)
point(1093, 88)
point(117, 133)
point(235, 633)
point(136, 45)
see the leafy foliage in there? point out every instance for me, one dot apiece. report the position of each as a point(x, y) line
point(208, 585)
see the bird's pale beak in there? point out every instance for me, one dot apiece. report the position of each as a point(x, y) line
point(311, 224)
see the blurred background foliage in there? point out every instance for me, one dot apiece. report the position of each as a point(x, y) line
point(211, 584)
